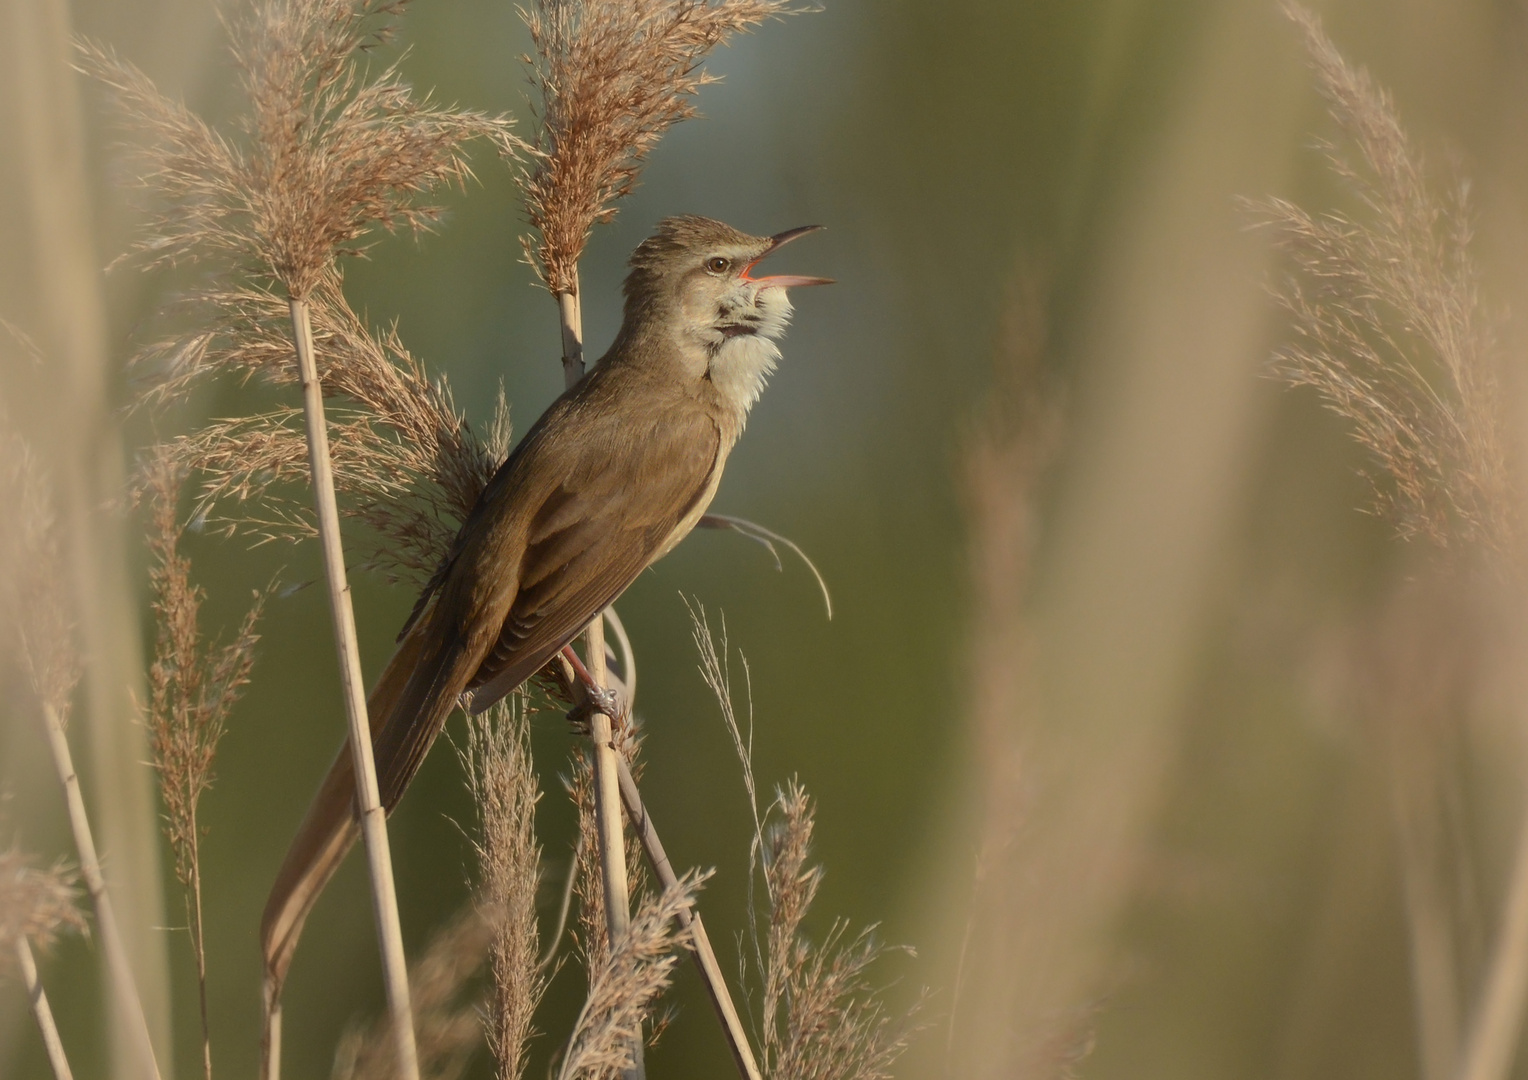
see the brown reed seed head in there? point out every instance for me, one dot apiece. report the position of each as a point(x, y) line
point(192, 686)
point(36, 903)
point(626, 984)
point(406, 463)
point(610, 77)
point(823, 1019)
point(1388, 324)
point(502, 780)
point(324, 154)
point(447, 1021)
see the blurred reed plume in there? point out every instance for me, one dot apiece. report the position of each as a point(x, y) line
point(626, 982)
point(502, 779)
point(820, 1016)
point(192, 689)
point(612, 76)
point(37, 903)
point(448, 1014)
point(34, 603)
point(1388, 324)
point(36, 906)
point(1389, 332)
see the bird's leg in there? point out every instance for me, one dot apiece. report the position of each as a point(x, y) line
point(594, 698)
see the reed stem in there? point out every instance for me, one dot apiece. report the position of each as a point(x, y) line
point(607, 792)
point(41, 1012)
point(123, 986)
point(373, 819)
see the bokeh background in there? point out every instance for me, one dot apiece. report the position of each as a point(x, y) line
point(1215, 888)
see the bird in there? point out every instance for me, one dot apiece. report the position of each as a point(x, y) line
point(611, 477)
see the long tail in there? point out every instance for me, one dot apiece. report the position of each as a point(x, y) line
point(408, 707)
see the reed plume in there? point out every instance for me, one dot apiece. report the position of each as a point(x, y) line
point(610, 77)
point(36, 906)
point(1386, 313)
point(37, 903)
point(1389, 332)
point(626, 982)
point(497, 761)
point(192, 689)
point(35, 605)
point(323, 156)
point(821, 1018)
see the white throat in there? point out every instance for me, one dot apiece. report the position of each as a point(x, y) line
point(742, 365)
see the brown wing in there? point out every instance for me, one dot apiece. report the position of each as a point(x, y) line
point(590, 539)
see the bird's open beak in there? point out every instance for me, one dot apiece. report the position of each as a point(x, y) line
point(783, 281)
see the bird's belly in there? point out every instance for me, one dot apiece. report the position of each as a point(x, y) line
point(696, 512)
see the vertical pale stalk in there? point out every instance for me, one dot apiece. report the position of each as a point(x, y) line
point(1493, 1036)
point(368, 796)
point(705, 955)
point(199, 946)
point(50, 229)
point(41, 1012)
point(607, 791)
point(123, 987)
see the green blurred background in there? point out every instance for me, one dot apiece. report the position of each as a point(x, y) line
point(1198, 543)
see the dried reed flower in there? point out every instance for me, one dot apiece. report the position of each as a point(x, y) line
point(611, 77)
point(192, 688)
point(406, 462)
point(1387, 322)
point(821, 1017)
point(324, 154)
point(447, 1018)
point(626, 983)
point(34, 586)
point(37, 904)
point(592, 937)
point(497, 760)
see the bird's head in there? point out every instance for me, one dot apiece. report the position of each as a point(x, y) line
point(694, 282)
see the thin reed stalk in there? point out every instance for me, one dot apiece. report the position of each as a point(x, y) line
point(117, 963)
point(609, 828)
point(373, 818)
point(42, 1013)
point(36, 905)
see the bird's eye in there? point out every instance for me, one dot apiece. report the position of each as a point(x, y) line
point(716, 264)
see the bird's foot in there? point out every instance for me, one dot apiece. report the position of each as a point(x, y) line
point(595, 700)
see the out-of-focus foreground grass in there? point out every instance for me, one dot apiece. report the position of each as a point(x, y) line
point(1102, 743)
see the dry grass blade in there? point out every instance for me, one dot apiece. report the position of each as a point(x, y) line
point(191, 691)
point(1388, 325)
point(497, 758)
point(611, 77)
point(626, 984)
point(448, 1023)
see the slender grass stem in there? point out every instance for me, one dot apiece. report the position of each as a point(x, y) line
point(373, 819)
point(123, 986)
point(607, 794)
point(199, 947)
point(705, 955)
point(41, 1011)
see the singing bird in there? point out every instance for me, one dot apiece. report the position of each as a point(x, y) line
point(611, 477)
